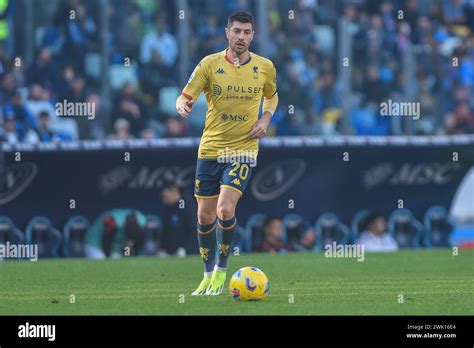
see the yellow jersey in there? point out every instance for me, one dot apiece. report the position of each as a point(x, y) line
point(234, 94)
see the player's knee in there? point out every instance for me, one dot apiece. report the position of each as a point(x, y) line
point(225, 211)
point(205, 217)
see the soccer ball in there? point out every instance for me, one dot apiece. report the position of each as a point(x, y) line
point(249, 284)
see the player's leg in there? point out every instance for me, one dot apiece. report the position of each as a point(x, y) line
point(206, 234)
point(228, 199)
point(234, 180)
point(206, 191)
point(226, 223)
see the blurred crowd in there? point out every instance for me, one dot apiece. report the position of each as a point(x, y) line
point(144, 55)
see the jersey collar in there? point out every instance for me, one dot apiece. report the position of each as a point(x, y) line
point(231, 62)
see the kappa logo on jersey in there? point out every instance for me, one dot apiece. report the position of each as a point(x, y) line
point(220, 71)
point(236, 182)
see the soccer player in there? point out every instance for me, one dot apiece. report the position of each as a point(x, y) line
point(234, 82)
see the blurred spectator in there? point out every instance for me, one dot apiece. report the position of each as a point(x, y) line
point(375, 236)
point(156, 75)
point(148, 134)
point(12, 136)
point(112, 232)
point(175, 128)
point(44, 129)
point(134, 235)
point(211, 36)
point(377, 90)
point(177, 222)
point(306, 242)
point(81, 34)
point(122, 130)
point(39, 101)
point(75, 91)
point(129, 107)
point(24, 119)
point(273, 232)
point(46, 132)
point(160, 42)
point(43, 70)
point(453, 11)
point(9, 86)
point(109, 235)
point(63, 85)
point(77, 94)
point(99, 124)
point(460, 121)
point(129, 31)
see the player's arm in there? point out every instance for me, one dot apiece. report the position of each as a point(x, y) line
point(270, 106)
point(270, 103)
point(196, 84)
point(184, 106)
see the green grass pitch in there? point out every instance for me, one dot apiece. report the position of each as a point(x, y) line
point(432, 282)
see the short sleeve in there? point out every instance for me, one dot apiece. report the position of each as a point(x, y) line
point(197, 81)
point(270, 87)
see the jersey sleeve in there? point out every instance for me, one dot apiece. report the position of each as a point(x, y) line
point(270, 87)
point(197, 81)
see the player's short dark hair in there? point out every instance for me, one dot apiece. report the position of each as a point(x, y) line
point(240, 16)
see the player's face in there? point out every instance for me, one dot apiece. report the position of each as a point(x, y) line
point(240, 35)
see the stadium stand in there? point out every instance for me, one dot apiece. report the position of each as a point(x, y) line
point(9, 232)
point(438, 227)
point(407, 231)
point(304, 53)
point(254, 231)
point(74, 236)
point(330, 230)
point(40, 231)
point(152, 233)
point(358, 223)
point(426, 55)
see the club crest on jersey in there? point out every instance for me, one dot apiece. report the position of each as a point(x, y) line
point(255, 72)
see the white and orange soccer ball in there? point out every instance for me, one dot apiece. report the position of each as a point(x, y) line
point(249, 284)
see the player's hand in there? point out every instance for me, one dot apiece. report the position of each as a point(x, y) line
point(185, 108)
point(259, 130)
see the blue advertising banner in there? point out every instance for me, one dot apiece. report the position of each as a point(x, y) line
point(306, 176)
